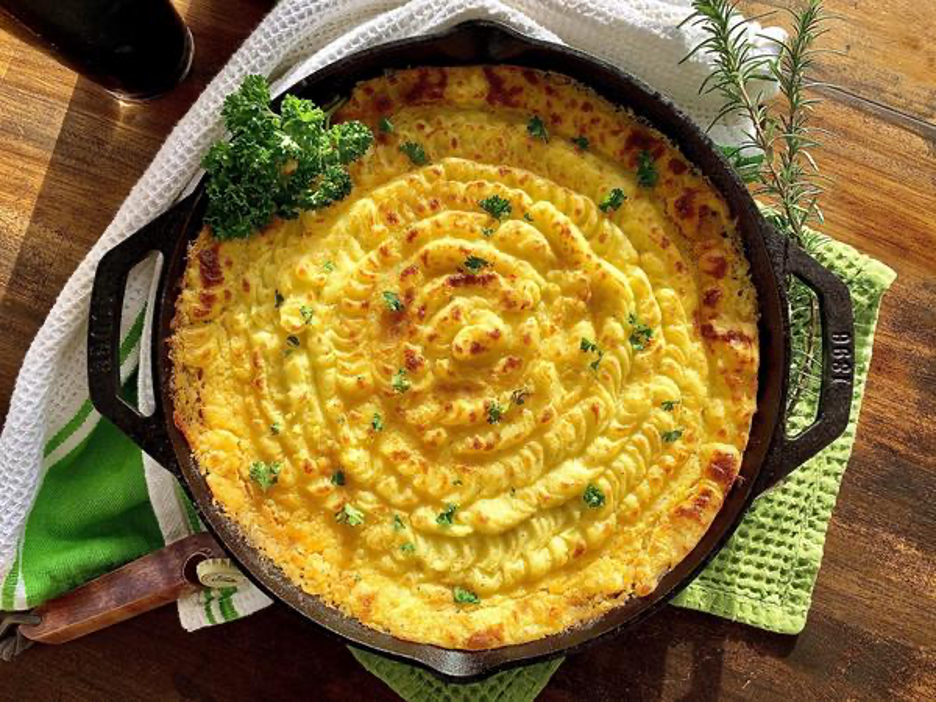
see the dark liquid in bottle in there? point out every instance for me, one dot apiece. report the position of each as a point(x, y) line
point(134, 48)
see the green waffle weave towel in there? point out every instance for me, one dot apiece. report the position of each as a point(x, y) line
point(93, 513)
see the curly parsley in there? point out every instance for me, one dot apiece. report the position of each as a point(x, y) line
point(266, 168)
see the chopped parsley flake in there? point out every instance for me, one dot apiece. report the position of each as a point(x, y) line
point(338, 477)
point(474, 264)
point(398, 523)
point(537, 128)
point(669, 405)
point(328, 267)
point(613, 200)
point(646, 170)
point(307, 314)
point(593, 496)
point(494, 412)
point(641, 334)
point(518, 397)
point(594, 364)
point(457, 481)
point(463, 596)
point(276, 428)
point(377, 422)
point(350, 515)
point(528, 217)
point(292, 341)
point(447, 517)
point(386, 126)
point(587, 345)
point(265, 474)
point(393, 301)
point(488, 231)
point(400, 383)
point(278, 299)
point(496, 206)
point(408, 547)
point(671, 436)
point(415, 152)
point(581, 141)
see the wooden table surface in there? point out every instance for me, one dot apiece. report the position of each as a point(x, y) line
point(70, 155)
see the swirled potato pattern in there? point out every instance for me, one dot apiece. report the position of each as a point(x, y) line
point(497, 391)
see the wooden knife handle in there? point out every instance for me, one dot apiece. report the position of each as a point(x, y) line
point(149, 582)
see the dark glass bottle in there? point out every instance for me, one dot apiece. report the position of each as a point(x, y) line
point(136, 49)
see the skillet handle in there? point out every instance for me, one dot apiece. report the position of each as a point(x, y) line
point(838, 367)
point(107, 295)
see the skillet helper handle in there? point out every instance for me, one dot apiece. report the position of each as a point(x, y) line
point(838, 366)
point(107, 297)
point(149, 582)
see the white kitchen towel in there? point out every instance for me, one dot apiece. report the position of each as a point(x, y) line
point(297, 37)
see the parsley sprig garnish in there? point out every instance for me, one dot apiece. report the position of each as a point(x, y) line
point(276, 164)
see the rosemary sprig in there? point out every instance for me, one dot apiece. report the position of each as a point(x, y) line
point(776, 155)
point(787, 175)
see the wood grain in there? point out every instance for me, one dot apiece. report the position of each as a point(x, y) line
point(70, 156)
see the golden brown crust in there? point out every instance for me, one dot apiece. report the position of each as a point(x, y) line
point(286, 350)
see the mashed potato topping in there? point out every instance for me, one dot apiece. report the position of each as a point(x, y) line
point(501, 388)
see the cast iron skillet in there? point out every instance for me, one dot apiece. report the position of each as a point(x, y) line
point(770, 455)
